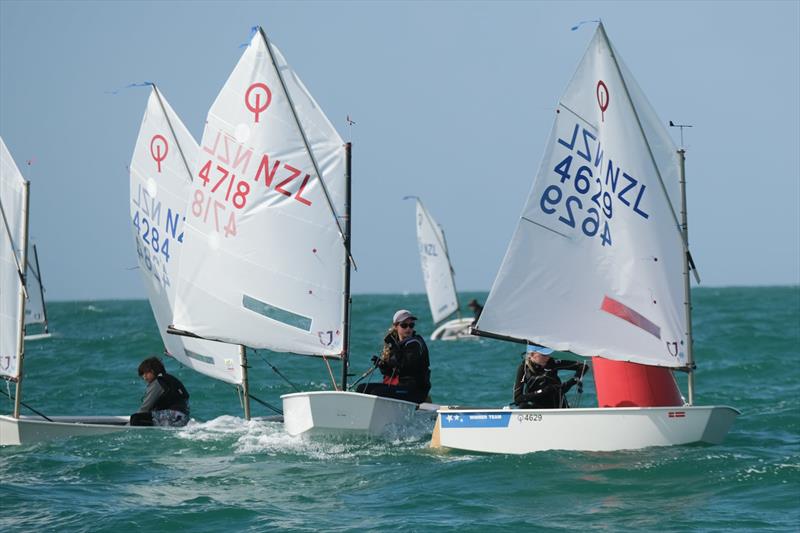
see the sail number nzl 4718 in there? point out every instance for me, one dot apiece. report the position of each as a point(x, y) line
point(228, 179)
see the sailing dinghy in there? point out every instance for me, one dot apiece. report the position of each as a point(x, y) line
point(439, 276)
point(35, 308)
point(21, 429)
point(598, 266)
point(266, 259)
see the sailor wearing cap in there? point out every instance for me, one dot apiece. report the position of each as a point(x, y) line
point(537, 385)
point(404, 362)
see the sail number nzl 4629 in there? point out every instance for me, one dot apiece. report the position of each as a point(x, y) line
point(588, 204)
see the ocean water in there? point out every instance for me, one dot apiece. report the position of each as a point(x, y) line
point(225, 474)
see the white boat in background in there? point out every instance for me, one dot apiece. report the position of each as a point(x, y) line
point(16, 429)
point(599, 265)
point(439, 277)
point(266, 258)
point(160, 189)
point(35, 308)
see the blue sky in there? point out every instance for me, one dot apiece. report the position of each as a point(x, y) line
point(453, 103)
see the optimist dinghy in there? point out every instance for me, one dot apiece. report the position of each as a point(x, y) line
point(266, 258)
point(599, 266)
point(16, 429)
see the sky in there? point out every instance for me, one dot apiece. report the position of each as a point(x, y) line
point(453, 102)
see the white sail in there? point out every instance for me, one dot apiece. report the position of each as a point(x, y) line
point(12, 258)
point(34, 306)
point(436, 268)
point(264, 256)
point(161, 181)
point(595, 264)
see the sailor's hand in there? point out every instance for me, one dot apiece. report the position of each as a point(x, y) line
point(375, 361)
point(390, 340)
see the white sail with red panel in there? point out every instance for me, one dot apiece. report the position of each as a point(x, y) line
point(595, 264)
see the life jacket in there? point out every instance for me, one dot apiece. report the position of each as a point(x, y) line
point(536, 380)
point(175, 395)
point(421, 378)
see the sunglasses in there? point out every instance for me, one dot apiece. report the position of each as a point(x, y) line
point(406, 325)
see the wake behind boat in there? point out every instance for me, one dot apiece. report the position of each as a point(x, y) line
point(599, 266)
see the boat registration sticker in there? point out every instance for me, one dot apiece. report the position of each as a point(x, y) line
point(475, 420)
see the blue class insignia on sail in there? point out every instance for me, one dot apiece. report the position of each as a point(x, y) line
point(476, 420)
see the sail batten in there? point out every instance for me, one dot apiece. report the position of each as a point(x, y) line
point(160, 182)
point(594, 265)
point(264, 253)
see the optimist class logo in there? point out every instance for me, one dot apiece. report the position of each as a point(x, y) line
point(603, 98)
point(158, 143)
point(253, 96)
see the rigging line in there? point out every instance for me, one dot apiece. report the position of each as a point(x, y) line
point(265, 404)
point(274, 369)
point(362, 376)
point(172, 130)
point(20, 273)
point(580, 384)
point(303, 134)
point(330, 371)
point(646, 140)
point(28, 406)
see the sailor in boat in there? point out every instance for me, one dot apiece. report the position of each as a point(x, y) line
point(404, 363)
point(476, 308)
point(165, 401)
point(537, 385)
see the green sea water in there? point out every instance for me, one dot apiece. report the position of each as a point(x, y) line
point(225, 474)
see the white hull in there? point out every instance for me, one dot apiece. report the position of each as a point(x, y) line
point(38, 336)
point(351, 413)
point(33, 429)
point(518, 431)
point(455, 329)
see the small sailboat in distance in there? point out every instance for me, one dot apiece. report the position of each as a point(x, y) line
point(599, 265)
point(35, 308)
point(439, 277)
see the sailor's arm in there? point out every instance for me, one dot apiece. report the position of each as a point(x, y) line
point(151, 396)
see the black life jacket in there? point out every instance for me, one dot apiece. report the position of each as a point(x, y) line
point(175, 395)
point(534, 381)
point(420, 379)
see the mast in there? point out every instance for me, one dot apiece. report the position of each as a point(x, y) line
point(245, 383)
point(686, 281)
point(41, 286)
point(21, 339)
point(347, 225)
